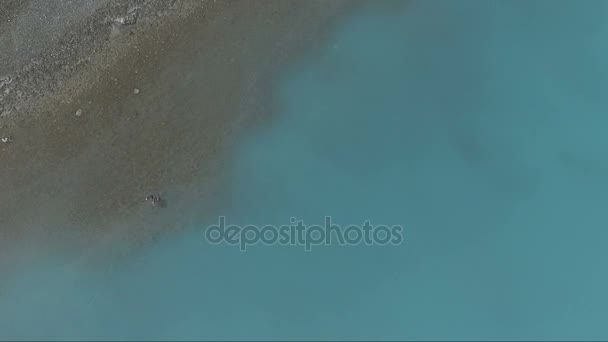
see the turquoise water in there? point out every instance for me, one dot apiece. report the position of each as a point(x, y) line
point(478, 126)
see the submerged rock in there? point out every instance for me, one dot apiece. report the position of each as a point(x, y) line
point(155, 200)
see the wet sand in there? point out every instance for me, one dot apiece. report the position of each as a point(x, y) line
point(203, 71)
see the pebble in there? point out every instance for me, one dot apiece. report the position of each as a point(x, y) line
point(79, 112)
point(135, 91)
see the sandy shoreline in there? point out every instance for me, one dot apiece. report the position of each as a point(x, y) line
point(203, 71)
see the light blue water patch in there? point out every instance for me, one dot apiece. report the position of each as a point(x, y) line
point(479, 126)
point(477, 129)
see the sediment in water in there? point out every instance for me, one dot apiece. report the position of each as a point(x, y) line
point(203, 70)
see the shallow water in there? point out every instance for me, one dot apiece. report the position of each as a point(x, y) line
point(39, 25)
point(477, 126)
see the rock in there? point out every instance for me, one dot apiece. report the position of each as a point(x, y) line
point(7, 139)
point(135, 91)
point(128, 19)
point(79, 112)
point(154, 199)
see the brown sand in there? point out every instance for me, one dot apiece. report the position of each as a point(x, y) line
point(203, 70)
